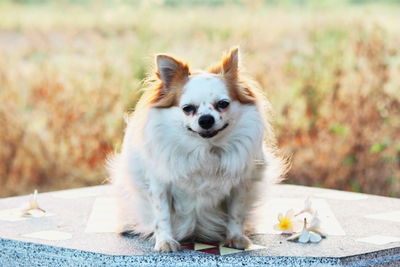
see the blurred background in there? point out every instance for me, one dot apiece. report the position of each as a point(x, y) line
point(70, 69)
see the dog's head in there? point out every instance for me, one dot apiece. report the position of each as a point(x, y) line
point(209, 99)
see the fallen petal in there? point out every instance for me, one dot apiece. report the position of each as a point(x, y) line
point(307, 204)
point(293, 237)
point(314, 237)
point(34, 213)
point(304, 237)
point(318, 231)
point(315, 222)
point(290, 213)
point(277, 228)
point(297, 225)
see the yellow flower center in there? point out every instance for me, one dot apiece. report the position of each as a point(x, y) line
point(285, 223)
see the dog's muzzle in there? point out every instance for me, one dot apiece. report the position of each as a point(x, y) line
point(209, 134)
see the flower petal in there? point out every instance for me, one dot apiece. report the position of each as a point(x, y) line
point(304, 237)
point(314, 237)
point(307, 204)
point(34, 213)
point(297, 225)
point(290, 213)
point(318, 231)
point(315, 221)
point(293, 237)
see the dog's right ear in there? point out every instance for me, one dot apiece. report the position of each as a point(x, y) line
point(170, 70)
point(173, 74)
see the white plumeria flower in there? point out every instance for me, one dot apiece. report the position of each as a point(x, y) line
point(305, 226)
point(288, 223)
point(33, 209)
point(311, 233)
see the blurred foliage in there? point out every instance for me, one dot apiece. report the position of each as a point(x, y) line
point(175, 3)
point(69, 71)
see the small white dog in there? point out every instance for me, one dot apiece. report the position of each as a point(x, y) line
point(193, 160)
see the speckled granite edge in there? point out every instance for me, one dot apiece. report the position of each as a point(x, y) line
point(375, 258)
point(17, 253)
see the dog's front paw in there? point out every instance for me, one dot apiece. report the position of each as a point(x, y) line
point(239, 242)
point(167, 245)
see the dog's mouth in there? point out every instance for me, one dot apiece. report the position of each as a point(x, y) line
point(209, 134)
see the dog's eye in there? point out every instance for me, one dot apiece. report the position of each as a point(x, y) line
point(189, 109)
point(222, 104)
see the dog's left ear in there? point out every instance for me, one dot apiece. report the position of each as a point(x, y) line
point(229, 70)
point(230, 64)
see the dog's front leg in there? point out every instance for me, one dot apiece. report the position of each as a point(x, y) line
point(237, 212)
point(160, 200)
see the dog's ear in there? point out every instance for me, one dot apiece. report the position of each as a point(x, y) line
point(170, 70)
point(229, 69)
point(230, 64)
point(172, 74)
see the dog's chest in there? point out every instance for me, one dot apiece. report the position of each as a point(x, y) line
point(202, 189)
point(211, 171)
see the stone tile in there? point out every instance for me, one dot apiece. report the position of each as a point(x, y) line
point(386, 216)
point(103, 216)
point(379, 239)
point(49, 235)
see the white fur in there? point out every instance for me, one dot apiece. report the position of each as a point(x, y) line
point(174, 184)
point(204, 90)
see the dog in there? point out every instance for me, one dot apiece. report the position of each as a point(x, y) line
point(197, 155)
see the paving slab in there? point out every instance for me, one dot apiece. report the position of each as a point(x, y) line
point(79, 229)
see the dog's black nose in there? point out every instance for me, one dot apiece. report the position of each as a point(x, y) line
point(206, 121)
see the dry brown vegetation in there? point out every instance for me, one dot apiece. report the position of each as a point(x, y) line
point(68, 72)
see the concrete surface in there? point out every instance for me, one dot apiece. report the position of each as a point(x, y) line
point(79, 230)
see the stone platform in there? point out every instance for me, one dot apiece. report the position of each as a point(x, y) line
point(79, 226)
